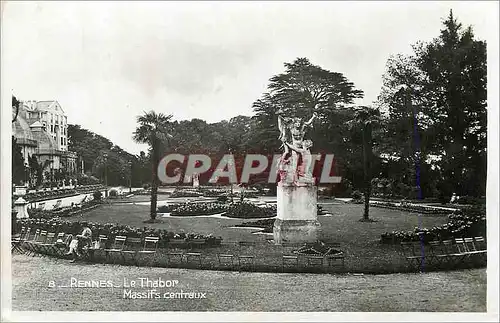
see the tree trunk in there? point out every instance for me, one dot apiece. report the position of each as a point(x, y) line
point(367, 152)
point(154, 181)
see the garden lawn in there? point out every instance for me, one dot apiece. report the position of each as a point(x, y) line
point(459, 291)
point(359, 240)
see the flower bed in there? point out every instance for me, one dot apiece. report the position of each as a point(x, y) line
point(412, 208)
point(461, 223)
point(62, 212)
point(48, 195)
point(111, 230)
point(186, 193)
point(193, 209)
point(245, 210)
point(241, 210)
point(214, 193)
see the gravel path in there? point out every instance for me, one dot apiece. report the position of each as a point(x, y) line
point(231, 291)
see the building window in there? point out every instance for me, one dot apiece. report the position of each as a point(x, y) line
point(62, 141)
point(51, 128)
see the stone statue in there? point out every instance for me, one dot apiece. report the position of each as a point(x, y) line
point(296, 161)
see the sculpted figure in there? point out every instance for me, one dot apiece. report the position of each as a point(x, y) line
point(296, 161)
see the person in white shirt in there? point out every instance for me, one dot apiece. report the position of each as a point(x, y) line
point(77, 244)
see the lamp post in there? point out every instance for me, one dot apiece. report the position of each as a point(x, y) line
point(130, 177)
point(231, 183)
point(105, 156)
point(26, 175)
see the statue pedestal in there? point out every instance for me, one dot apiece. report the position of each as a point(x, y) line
point(21, 207)
point(297, 219)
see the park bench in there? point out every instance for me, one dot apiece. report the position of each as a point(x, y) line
point(225, 259)
point(95, 245)
point(195, 256)
point(116, 248)
point(150, 247)
point(18, 240)
point(314, 261)
point(333, 258)
point(24, 237)
point(175, 255)
point(60, 249)
point(130, 249)
point(472, 248)
point(38, 240)
point(445, 253)
point(15, 245)
point(245, 260)
point(412, 252)
point(290, 259)
point(137, 247)
point(47, 247)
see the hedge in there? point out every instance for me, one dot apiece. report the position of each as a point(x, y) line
point(461, 223)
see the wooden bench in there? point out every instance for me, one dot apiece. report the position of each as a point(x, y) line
point(150, 247)
point(411, 250)
point(332, 257)
point(130, 249)
point(314, 261)
point(448, 253)
point(224, 257)
point(472, 248)
point(173, 255)
point(193, 255)
point(116, 248)
point(246, 261)
point(287, 259)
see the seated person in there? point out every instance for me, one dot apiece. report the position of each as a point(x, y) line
point(81, 241)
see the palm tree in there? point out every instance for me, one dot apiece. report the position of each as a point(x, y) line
point(153, 129)
point(365, 117)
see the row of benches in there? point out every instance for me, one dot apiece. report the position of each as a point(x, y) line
point(449, 253)
point(129, 249)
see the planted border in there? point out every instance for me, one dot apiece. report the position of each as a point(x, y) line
point(461, 223)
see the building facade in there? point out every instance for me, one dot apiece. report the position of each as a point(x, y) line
point(41, 130)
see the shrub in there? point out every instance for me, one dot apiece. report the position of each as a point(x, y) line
point(471, 200)
point(213, 193)
point(187, 209)
point(186, 193)
point(222, 199)
point(461, 223)
point(357, 197)
point(113, 192)
point(97, 195)
point(193, 209)
point(245, 210)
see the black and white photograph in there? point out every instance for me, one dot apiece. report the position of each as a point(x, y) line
point(249, 161)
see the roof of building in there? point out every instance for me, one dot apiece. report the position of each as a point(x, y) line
point(48, 105)
point(44, 105)
point(36, 124)
point(21, 129)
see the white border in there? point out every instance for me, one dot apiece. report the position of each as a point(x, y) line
point(492, 235)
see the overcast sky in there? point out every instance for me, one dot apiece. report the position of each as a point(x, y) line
point(106, 62)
